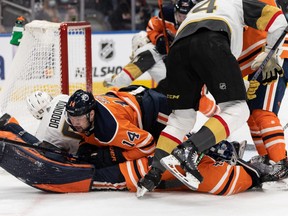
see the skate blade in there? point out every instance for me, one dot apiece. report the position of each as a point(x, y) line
point(141, 191)
point(170, 162)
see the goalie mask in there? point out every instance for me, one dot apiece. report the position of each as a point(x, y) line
point(37, 102)
point(78, 110)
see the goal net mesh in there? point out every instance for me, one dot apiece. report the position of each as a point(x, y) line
point(50, 56)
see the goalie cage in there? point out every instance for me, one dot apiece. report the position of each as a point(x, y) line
point(51, 57)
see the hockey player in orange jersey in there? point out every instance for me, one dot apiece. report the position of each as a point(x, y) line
point(224, 172)
point(173, 17)
point(264, 100)
point(129, 119)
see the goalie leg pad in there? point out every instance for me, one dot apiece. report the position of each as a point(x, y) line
point(42, 173)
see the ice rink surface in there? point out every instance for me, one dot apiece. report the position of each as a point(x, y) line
point(19, 199)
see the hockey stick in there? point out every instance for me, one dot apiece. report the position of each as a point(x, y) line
point(160, 4)
point(285, 126)
point(17, 143)
point(270, 54)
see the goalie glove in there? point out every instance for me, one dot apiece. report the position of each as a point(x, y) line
point(100, 157)
point(271, 69)
point(253, 86)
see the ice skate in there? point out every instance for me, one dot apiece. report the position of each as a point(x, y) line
point(149, 182)
point(186, 156)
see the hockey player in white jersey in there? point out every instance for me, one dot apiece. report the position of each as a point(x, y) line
point(204, 51)
point(144, 58)
point(53, 127)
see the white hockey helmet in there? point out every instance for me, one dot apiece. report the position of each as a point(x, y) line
point(37, 102)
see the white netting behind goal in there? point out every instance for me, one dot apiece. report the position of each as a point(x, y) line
point(48, 54)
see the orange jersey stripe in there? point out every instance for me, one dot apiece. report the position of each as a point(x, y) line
point(133, 171)
point(81, 186)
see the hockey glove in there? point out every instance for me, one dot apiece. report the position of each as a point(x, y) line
point(108, 80)
point(208, 107)
point(161, 45)
point(251, 92)
point(271, 69)
point(100, 157)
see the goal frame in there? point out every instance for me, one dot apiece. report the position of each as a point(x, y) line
point(64, 28)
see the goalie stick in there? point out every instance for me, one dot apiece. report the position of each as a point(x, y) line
point(27, 145)
point(160, 4)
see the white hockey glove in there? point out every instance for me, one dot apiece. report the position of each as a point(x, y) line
point(108, 80)
point(139, 40)
point(271, 70)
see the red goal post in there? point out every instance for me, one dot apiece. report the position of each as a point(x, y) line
point(65, 29)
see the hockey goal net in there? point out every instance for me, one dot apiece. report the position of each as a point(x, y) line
point(51, 57)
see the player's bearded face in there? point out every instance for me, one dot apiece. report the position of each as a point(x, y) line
point(80, 123)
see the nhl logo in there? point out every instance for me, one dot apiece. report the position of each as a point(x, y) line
point(106, 50)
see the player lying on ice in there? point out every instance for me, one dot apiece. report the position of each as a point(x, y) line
point(225, 173)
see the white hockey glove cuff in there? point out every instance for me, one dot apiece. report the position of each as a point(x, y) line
point(108, 80)
point(271, 70)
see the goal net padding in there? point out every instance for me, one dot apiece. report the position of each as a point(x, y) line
point(52, 57)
